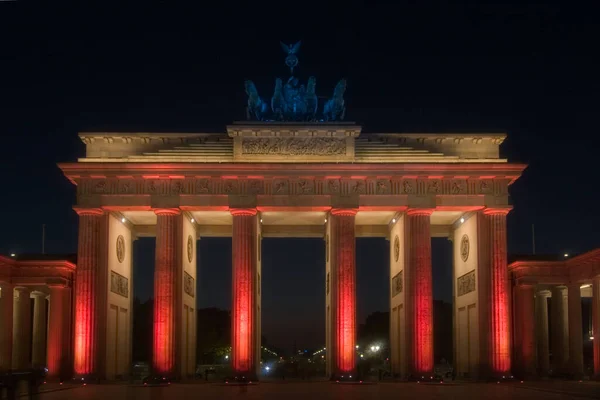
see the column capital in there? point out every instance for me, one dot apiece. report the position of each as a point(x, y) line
point(243, 211)
point(419, 211)
point(88, 211)
point(544, 293)
point(344, 212)
point(167, 211)
point(497, 210)
point(37, 294)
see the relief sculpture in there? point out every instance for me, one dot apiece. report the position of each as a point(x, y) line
point(295, 146)
point(466, 283)
point(397, 284)
point(188, 284)
point(119, 284)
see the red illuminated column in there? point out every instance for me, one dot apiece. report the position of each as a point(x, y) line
point(499, 315)
point(89, 259)
point(420, 291)
point(525, 329)
point(59, 331)
point(6, 316)
point(243, 352)
point(596, 324)
point(344, 279)
point(167, 259)
point(575, 331)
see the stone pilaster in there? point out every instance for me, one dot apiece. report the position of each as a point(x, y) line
point(575, 332)
point(87, 348)
point(38, 351)
point(419, 299)
point(541, 326)
point(499, 315)
point(524, 330)
point(343, 282)
point(21, 328)
point(59, 332)
point(244, 359)
point(559, 335)
point(168, 232)
point(596, 324)
point(6, 333)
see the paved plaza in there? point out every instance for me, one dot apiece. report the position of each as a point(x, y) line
point(326, 390)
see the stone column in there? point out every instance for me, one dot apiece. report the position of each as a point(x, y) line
point(524, 330)
point(6, 333)
point(59, 331)
point(168, 232)
point(21, 328)
point(596, 325)
point(575, 332)
point(419, 300)
point(38, 351)
point(499, 315)
point(559, 330)
point(244, 359)
point(343, 278)
point(89, 262)
point(541, 325)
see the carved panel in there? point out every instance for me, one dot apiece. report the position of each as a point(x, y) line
point(305, 186)
point(397, 284)
point(119, 284)
point(190, 248)
point(189, 286)
point(396, 248)
point(434, 186)
point(408, 186)
point(466, 283)
point(202, 186)
point(333, 186)
point(294, 146)
point(280, 186)
point(464, 248)
point(120, 248)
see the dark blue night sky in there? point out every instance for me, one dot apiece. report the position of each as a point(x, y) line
point(527, 70)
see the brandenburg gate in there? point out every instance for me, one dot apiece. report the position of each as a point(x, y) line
point(278, 179)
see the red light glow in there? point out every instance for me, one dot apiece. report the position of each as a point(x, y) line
point(421, 290)
point(500, 357)
point(343, 245)
point(88, 256)
point(167, 231)
point(243, 276)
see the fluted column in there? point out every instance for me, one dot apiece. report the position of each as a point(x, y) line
point(21, 328)
point(559, 331)
point(6, 332)
point(89, 261)
point(541, 325)
point(344, 279)
point(420, 292)
point(524, 330)
point(243, 353)
point(38, 351)
point(575, 331)
point(499, 315)
point(596, 324)
point(59, 331)
point(168, 232)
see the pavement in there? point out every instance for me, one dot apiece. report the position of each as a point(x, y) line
point(557, 390)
